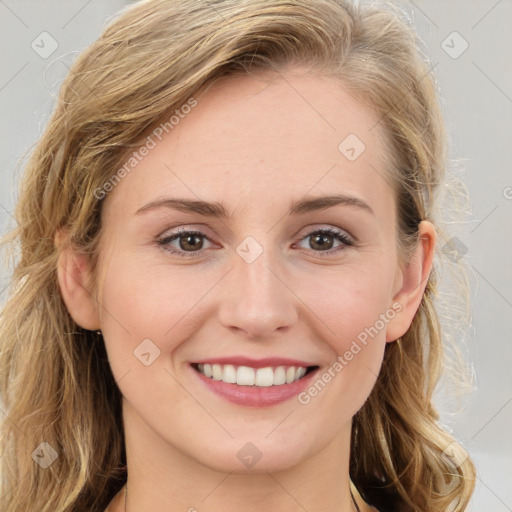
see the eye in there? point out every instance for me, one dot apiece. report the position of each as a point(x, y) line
point(323, 241)
point(184, 242)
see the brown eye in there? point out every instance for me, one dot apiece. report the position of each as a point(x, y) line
point(322, 241)
point(191, 242)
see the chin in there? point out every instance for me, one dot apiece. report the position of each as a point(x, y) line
point(255, 457)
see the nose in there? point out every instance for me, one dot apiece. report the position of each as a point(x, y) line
point(256, 298)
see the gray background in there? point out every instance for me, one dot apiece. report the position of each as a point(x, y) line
point(476, 91)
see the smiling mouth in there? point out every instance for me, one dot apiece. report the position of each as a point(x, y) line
point(258, 377)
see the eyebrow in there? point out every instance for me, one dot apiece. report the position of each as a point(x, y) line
point(216, 209)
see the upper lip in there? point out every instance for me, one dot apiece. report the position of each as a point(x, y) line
point(255, 363)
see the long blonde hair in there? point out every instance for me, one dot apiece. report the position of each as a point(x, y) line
point(55, 381)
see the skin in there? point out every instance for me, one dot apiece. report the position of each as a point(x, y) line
point(255, 144)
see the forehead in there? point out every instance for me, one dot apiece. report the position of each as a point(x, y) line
point(264, 138)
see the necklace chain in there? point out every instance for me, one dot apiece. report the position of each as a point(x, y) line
point(353, 499)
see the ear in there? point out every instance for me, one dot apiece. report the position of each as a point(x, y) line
point(412, 281)
point(74, 277)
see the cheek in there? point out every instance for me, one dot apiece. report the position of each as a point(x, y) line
point(349, 302)
point(143, 302)
point(148, 312)
point(354, 309)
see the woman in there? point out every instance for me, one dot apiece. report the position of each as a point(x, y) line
point(224, 297)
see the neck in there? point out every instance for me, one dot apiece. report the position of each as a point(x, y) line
point(161, 477)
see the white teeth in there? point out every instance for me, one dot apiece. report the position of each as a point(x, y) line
point(217, 372)
point(229, 374)
point(290, 375)
point(264, 377)
point(207, 370)
point(279, 376)
point(247, 376)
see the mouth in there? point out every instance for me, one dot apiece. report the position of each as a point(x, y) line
point(245, 381)
point(263, 377)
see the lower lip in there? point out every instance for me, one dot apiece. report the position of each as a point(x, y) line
point(256, 396)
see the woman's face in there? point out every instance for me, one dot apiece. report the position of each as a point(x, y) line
point(260, 285)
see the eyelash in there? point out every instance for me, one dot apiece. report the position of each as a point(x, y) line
point(339, 235)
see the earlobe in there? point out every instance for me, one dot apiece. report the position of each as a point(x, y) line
point(415, 277)
point(73, 277)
